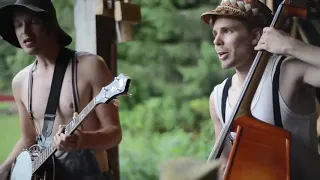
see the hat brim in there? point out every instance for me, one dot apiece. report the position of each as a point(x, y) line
point(264, 18)
point(7, 30)
point(207, 16)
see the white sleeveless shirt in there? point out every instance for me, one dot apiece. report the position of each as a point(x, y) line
point(305, 159)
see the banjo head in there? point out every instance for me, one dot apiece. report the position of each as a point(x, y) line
point(22, 169)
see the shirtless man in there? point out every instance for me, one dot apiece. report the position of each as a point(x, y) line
point(82, 155)
point(235, 40)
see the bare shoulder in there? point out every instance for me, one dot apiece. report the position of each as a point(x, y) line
point(296, 94)
point(93, 68)
point(293, 67)
point(216, 92)
point(292, 74)
point(20, 78)
point(211, 97)
point(89, 60)
point(212, 105)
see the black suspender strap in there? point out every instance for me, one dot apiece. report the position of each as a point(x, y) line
point(54, 96)
point(318, 94)
point(275, 95)
point(37, 131)
point(225, 93)
point(74, 84)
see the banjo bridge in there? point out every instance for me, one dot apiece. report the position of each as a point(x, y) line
point(35, 151)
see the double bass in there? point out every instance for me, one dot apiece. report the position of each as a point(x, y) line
point(255, 155)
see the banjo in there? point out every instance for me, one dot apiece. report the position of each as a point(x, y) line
point(37, 163)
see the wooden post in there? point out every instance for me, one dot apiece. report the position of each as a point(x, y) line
point(95, 33)
point(99, 25)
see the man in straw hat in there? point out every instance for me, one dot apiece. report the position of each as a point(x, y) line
point(32, 26)
point(237, 27)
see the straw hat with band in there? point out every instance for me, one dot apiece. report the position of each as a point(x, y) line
point(43, 8)
point(255, 12)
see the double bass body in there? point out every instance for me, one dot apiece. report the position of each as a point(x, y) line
point(260, 151)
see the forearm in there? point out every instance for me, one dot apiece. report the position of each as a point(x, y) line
point(223, 165)
point(224, 157)
point(101, 139)
point(20, 145)
point(304, 52)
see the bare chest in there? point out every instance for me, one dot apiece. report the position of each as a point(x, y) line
point(263, 96)
point(233, 96)
point(41, 88)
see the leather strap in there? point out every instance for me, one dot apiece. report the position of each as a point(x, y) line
point(54, 96)
point(74, 89)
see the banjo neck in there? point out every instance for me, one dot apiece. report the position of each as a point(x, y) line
point(69, 129)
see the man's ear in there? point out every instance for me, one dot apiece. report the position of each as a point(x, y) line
point(256, 35)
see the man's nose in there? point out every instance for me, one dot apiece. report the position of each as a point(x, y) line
point(218, 40)
point(25, 28)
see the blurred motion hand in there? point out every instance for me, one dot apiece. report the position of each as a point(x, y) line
point(65, 142)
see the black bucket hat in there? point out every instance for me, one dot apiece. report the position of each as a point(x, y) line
point(43, 8)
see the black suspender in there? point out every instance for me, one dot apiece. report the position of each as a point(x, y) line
point(74, 84)
point(275, 95)
point(225, 94)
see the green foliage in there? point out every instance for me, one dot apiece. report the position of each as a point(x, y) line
point(10, 134)
point(173, 68)
point(142, 155)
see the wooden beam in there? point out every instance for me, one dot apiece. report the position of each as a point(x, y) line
point(124, 32)
point(293, 31)
point(125, 14)
point(106, 41)
point(302, 34)
point(316, 24)
point(99, 25)
point(96, 34)
point(104, 8)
